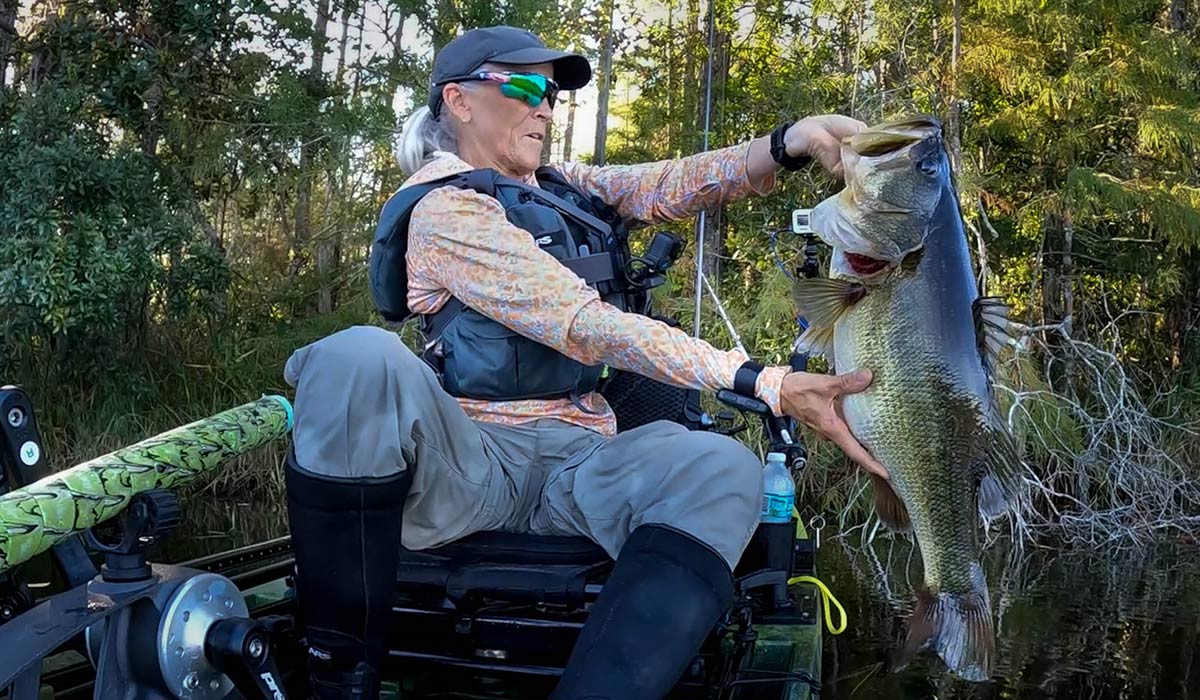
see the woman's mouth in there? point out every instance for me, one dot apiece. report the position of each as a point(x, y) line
point(536, 137)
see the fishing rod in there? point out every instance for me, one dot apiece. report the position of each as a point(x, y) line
point(701, 221)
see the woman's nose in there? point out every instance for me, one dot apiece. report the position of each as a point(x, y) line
point(543, 111)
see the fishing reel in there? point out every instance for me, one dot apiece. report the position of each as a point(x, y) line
point(648, 270)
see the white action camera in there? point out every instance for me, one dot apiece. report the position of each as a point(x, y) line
point(800, 221)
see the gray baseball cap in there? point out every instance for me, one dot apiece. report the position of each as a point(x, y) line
point(501, 44)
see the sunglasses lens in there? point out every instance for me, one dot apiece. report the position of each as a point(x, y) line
point(530, 87)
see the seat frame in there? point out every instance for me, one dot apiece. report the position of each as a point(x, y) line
point(501, 608)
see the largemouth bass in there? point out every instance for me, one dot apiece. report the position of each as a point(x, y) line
point(902, 301)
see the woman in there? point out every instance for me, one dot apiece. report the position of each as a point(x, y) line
point(384, 452)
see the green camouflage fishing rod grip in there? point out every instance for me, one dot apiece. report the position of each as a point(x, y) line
point(35, 518)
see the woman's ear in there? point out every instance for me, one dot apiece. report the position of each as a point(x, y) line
point(456, 104)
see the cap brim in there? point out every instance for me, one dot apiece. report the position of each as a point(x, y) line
point(571, 71)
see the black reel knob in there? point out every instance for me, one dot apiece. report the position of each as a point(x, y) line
point(161, 511)
point(149, 516)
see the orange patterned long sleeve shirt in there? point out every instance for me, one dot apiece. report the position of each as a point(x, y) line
point(462, 245)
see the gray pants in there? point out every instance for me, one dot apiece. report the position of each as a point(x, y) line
point(366, 406)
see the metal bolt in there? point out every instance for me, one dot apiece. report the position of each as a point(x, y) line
point(214, 684)
point(6, 612)
point(192, 681)
point(256, 648)
point(16, 417)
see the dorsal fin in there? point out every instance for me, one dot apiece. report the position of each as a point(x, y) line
point(994, 330)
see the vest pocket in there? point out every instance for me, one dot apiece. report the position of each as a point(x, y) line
point(484, 359)
point(480, 357)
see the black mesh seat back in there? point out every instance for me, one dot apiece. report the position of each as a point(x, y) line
point(638, 400)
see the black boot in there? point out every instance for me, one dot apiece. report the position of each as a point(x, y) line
point(346, 539)
point(665, 595)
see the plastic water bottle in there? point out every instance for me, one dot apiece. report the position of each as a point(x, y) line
point(779, 491)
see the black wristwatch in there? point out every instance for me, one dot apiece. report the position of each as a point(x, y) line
point(779, 152)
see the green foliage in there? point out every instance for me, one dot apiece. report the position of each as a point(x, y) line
point(88, 243)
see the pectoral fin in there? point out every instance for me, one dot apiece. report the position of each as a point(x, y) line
point(888, 506)
point(822, 302)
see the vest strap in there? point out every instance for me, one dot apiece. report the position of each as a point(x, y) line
point(594, 268)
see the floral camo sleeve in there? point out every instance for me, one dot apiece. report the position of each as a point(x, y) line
point(462, 245)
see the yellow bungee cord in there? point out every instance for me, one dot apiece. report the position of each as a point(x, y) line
point(827, 597)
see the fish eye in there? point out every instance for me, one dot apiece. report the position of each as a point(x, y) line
point(929, 167)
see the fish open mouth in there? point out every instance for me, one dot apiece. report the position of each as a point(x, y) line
point(864, 265)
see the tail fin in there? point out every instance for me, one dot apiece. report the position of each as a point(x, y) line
point(958, 627)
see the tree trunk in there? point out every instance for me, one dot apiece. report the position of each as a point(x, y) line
point(1184, 313)
point(952, 123)
point(327, 262)
point(8, 33)
point(547, 143)
point(1058, 300)
point(604, 81)
point(671, 144)
point(342, 40)
point(149, 137)
point(358, 51)
point(569, 132)
point(303, 211)
point(44, 60)
point(715, 221)
point(1177, 16)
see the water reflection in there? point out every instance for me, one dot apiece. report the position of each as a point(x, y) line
point(214, 524)
point(1069, 624)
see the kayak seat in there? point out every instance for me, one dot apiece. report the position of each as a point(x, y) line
point(504, 566)
point(514, 548)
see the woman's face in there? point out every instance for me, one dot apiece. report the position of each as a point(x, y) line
point(498, 130)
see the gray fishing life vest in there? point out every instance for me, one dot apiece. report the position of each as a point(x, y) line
point(477, 357)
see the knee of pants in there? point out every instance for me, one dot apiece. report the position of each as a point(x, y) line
point(357, 349)
point(714, 492)
point(348, 398)
point(731, 473)
point(354, 360)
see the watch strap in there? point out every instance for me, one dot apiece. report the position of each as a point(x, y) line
point(745, 381)
point(779, 150)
